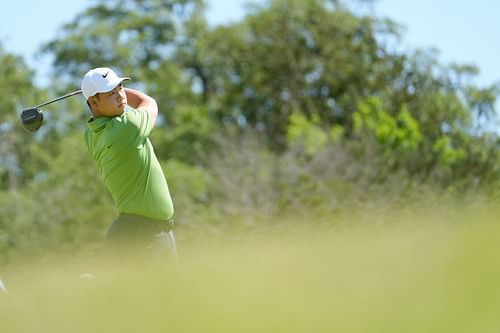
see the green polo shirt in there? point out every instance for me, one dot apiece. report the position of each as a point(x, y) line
point(128, 164)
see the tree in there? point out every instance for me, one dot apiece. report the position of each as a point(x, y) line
point(309, 65)
point(135, 36)
point(291, 56)
point(18, 91)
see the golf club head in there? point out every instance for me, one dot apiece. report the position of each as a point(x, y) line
point(32, 119)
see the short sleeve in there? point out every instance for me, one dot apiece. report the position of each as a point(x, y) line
point(140, 120)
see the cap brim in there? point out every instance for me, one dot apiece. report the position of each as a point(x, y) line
point(112, 85)
point(123, 79)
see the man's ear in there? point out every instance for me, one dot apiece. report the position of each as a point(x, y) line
point(93, 101)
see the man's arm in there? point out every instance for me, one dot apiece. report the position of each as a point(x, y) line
point(137, 99)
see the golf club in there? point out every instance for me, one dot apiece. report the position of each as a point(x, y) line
point(32, 118)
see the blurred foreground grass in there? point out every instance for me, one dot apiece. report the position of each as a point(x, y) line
point(413, 271)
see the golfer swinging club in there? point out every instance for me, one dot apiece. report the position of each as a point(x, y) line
point(117, 138)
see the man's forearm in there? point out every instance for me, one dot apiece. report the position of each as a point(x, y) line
point(137, 99)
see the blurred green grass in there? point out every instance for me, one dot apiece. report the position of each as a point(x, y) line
point(406, 271)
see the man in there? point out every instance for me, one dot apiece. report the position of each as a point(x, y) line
point(117, 138)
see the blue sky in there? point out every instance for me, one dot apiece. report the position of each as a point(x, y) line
point(463, 31)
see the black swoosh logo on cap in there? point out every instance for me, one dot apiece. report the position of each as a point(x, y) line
point(104, 75)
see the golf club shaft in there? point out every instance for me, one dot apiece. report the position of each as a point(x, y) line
point(59, 98)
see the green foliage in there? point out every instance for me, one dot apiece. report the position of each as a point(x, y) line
point(18, 91)
point(134, 36)
point(307, 133)
point(16, 80)
point(190, 189)
point(399, 133)
point(66, 203)
point(290, 56)
point(447, 154)
point(186, 136)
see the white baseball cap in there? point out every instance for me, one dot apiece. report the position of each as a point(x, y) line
point(99, 80)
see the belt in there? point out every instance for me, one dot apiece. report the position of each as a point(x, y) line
point(157, 224)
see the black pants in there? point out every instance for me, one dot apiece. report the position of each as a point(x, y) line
point(142, 235)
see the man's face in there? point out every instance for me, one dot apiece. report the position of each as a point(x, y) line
point(111, 103)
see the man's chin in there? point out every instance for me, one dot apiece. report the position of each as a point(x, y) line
point(121, 108)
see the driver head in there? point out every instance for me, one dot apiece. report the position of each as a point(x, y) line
point(32, 119)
